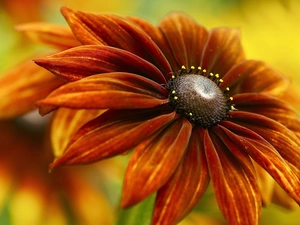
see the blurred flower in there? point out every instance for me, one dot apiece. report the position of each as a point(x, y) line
point(31, 195)
point(23, 85)
point(221, 121)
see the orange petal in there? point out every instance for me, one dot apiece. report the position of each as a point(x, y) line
point(233, 180)
point(254, 76)
point(22, 86)
point(264, 154)
point(266, 184)
point(154, 161)
point(186, 38)
point(65, 123)
point(112, 133)
point(281, 138)
point(280, 197)
point(83, 61)
point(268, 106)
point(115, 31)
point(160, 40)
point(183, 191)
point(109, 90)
point(58, 36)
point(222, 51)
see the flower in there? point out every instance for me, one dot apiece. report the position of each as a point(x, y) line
point(189, 104)
point(34, 83)
point(30, 195)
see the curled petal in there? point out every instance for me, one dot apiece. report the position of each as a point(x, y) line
point(22, 86)
point(222, 51)
point(281, 138)
point(112, 133)
point(65, 123)
point(263, 153)
point(109, 90)
point(154, 161)
point(186, 37)
point(185, 188)
point(254, 76)
point(60, 37)
point(83, 61)
point(233, 180)
point(115, 31)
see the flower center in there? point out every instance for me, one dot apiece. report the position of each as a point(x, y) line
point(198, 98)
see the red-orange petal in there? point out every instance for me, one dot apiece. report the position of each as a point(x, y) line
point(108, 90)
point(58, 36)
point(281, 138)
point(269, 106)
point(280, 197)
point(233, 179)
point(112, 133)
point(86, 60)
point(186, 38)
point(154, 161)
point(22, 86)
point(222, 51)
point(185, 188)
point(115, 31)
point(160, 40)
point(266, 156)
point(266, 184)
point(254, 76)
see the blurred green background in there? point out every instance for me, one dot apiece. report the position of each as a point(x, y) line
point(270, 32)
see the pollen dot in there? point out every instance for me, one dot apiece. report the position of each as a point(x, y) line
point(198, 98)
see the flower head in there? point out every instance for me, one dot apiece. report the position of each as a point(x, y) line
point(188, 103)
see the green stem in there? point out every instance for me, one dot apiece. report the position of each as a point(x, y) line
point(140, 214)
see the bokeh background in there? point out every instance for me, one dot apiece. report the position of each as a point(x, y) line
point(270, 32)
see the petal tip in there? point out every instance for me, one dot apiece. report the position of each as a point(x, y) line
point(65, 11)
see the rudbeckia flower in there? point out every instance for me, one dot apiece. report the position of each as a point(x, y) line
point(30, 195)
point(24, 84)
point(190, 105)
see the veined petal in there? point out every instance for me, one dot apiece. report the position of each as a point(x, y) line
point(266, 156)
point(60, 37)
point(265, 183)
point(280, 197)
point(222, 51)
point(186, 38)
point(65, 123)
point(109, 90)
point(154, 161)
point(280, 137)
point(268, 106)
point(86, 60)
point(185, 188)
point(112, 133)
point(233, 180)
point(115, 31)
point(22, 86)
point(160, 40)
point(254, 76)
